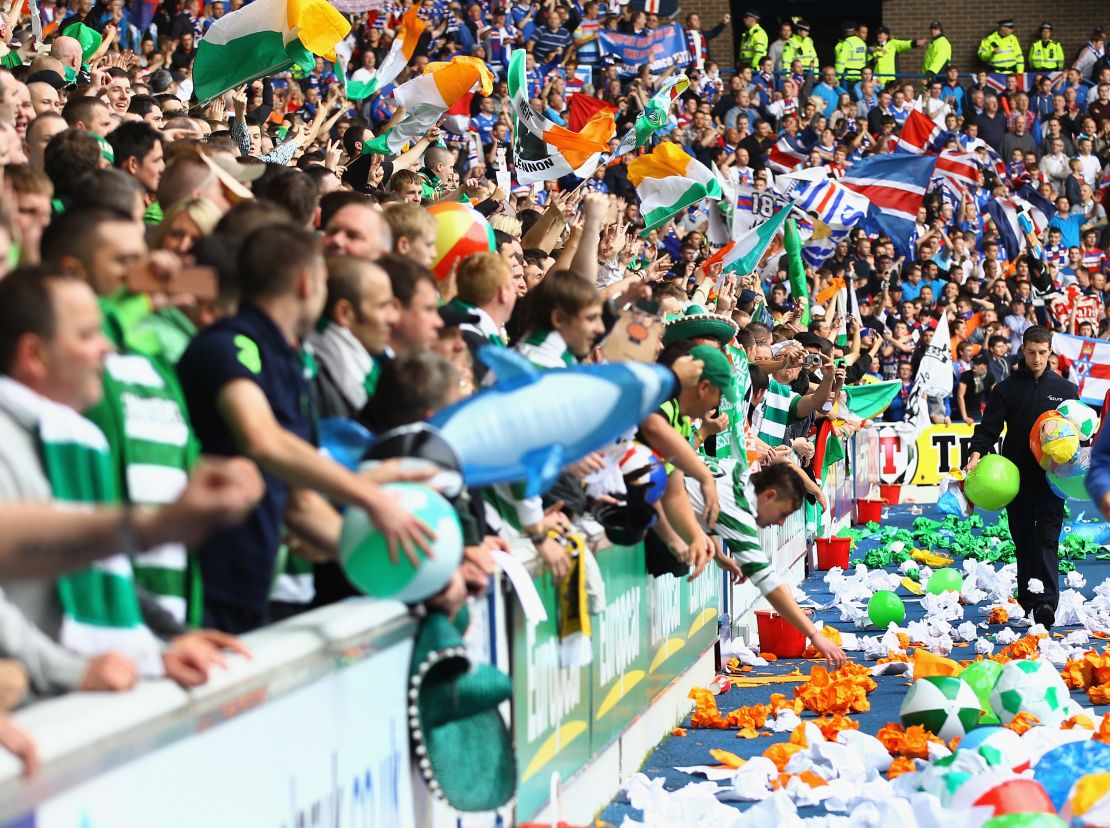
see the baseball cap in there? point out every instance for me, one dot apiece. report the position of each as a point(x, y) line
point(454, 316)
point(715, 369)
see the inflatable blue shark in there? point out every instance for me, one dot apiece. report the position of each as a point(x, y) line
point(532, 422)
point(1097, 531)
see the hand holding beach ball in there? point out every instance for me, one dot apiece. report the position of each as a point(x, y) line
point(460, 231)
point(364, 551)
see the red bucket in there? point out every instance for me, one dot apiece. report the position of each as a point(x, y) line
point(868, 511)
point(891, 493)
point(778, 637)
point(833, 552)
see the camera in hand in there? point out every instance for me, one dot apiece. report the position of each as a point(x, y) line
point(812, 361)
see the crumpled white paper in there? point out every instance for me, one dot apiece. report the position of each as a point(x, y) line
point(966, 631)
point(1075, 579)
point(694, 804)
point(983, 646)
point(1005, 636)
point(735, 648)
point(1036, 586)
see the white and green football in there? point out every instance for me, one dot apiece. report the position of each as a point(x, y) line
point(1031, 686)
point(1082, 416)
point(945, 706)
point(944, 777)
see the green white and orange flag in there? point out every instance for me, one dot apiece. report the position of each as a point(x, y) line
point(428, 97)
point(545, 151)
point(400, 53)
point(263, 38)
point(667, 180)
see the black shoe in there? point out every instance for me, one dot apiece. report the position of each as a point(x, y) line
point(1044, 615)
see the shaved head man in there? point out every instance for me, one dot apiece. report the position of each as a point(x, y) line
point(67, 50)
point(44, 98)
point(358, 230)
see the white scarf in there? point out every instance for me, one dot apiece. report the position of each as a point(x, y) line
point(346, 360)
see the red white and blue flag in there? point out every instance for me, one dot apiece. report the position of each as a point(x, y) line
point(1005, 213)
point(1025, 80)
point(920, 135)
point(788, 153)
point(958, 170)
point(895, 185)
point(1090, 364)
point(836, 209)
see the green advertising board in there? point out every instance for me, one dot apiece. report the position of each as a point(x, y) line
point(620, 645)
point(551, 706)
point(682, 624)
point(650, 632)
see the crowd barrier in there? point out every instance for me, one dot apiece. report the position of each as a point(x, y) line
point(312, 731)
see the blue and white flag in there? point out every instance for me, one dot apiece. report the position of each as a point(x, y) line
point(1027, 211)
point(895, 185)
point(660, 48)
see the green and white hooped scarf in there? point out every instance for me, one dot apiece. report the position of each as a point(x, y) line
point(101, 609)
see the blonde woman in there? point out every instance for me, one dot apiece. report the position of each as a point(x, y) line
point(184, 223)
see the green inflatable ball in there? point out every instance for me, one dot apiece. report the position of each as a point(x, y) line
point(1029, 820)
point(885, 608)
point(945, 580)
point(993, 483)
point(981, 677)
point(364, 552)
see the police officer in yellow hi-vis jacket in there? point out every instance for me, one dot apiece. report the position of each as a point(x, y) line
point(938, 51)
point(851, 54)
point(1046, 55)
point(1001, 51)
point(753, 42)
point(800, 47)
point(884, 54)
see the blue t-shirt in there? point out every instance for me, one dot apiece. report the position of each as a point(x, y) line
point(237, 563)
point(1069, 228)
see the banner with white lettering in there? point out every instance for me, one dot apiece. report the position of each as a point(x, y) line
point(661, 48)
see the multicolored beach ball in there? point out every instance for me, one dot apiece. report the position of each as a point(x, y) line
point(460, 231)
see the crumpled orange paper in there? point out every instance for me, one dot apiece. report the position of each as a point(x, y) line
point(893, 656)
point(830, 726)
point(998, 616)
point(678, 731)
point(1103, 732)
point(780, 753)
point(809, 777)
point(927, 664)
point(912, 743)
point(844, 691)
point(1078, 720)
point(1022, 722)
point(746, 719)
point(1090, 672)
point(900, 765)
point(1027, 647)
point(729, 760)
point(831, 633)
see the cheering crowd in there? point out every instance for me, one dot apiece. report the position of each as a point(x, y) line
point(189, 288)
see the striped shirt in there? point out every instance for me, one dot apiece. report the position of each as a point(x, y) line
point(774, 414)
point(736, 524)
point(548, 40)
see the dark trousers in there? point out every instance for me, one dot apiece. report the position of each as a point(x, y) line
point(1035, 518)
point(233, 620)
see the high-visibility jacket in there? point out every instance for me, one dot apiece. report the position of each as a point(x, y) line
point(1001, 54)
point(753, 46)
point(1046, 56)
point(800, 48)
point(849, 58)
point(883, 58)
point(938, 54)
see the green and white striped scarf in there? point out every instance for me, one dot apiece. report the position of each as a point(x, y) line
point(546, 349)
point(775, 413)
point(143, 417)
point(101, 609)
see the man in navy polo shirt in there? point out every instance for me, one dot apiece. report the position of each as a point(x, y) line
point(245, 385)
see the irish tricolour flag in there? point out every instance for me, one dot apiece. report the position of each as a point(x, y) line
point(667, 180)
point(263, 38)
